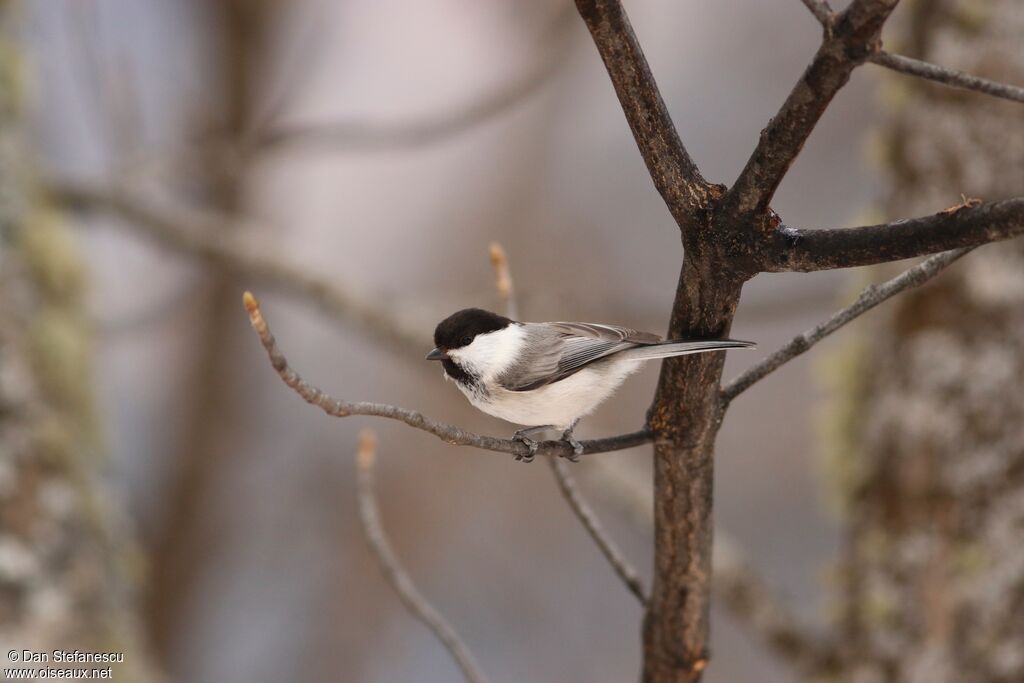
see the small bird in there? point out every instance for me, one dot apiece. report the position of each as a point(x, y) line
point(547, 375)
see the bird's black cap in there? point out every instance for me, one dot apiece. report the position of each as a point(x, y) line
point(459, 329)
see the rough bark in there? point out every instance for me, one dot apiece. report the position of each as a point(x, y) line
point(933, 572)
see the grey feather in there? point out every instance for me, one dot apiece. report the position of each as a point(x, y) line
point(554, 351)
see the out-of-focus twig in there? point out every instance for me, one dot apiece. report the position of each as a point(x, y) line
point(946, 76)
point(585, 513)
point(577, 503)
point(446, 432)
point(751, 601)
point(204, 234)
point(869, 298)
point(371, 135)
point(503, 280)
point(369, 516)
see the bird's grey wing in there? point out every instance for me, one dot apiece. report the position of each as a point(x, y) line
point(538, 359)
point(605, 332)
point(554, 351)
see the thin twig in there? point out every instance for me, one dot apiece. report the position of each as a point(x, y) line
point(586, 515)
point(969, 224)
point(369, 516)
point(850, 42)
point(374, 135)
point(446, 432)
point(869, 298)
point(821, 11)
point(205, 234)
point(946, 76)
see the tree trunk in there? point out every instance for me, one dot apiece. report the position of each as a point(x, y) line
point(65, 569)
point(933, 574)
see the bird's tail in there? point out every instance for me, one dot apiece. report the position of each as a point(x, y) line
point(669, 348)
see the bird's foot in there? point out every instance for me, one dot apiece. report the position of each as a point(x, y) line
point(524, 436)
point(577, 447)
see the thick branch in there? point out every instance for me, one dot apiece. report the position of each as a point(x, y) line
point(205, 235)
point(369, 516)
point(968, 225)
point(869, 298)
point(951, 77)
point(446, 432)
point(674, 173)
point(586, 515)
point(853, 37)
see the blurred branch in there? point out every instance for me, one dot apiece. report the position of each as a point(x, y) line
point(586, 515)
point(853, 37)
point(205, 234)
point(969, 224)
point(446, 432)
point(579, 505)
point(370, 135)
point(674, 173)
point(946, 76)
point(503, 280)
point(750, 600)
point(869, 298)
point(369, 516)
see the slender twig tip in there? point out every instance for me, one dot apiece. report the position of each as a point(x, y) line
point(502, 277)
point(367, 453)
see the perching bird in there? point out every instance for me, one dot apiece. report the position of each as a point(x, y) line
point(547, 375)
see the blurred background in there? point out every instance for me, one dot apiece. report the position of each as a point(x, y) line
point(161, 157)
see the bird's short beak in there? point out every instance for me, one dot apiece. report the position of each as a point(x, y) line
point(437, 354)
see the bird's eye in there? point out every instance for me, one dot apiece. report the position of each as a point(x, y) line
point(467, 340)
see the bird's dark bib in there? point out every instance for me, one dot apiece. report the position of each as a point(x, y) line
point(468, 380)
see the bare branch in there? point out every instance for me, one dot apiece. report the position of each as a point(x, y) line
point(446, 432)
point(503, 280)
point(970, 224)
point(853, 36)
point(951, 77)
point(369, 516)
point(586, 515)
point(674, 173)
point(821, 11)
point(370, 135)
point(204, 234)
point(869, 298)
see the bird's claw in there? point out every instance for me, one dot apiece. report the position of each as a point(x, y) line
point(577, 447)
point(531, 444)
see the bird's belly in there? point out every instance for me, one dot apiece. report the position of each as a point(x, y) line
point(560, 403)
